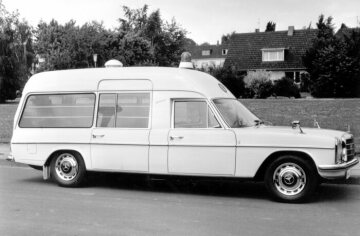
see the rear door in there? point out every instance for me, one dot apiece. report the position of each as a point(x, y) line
point(120, 140)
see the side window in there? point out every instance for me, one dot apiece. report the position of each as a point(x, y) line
point(124, 110)
point(133, 110)
point(106, 111)
point(194, 114)
point(58, 111)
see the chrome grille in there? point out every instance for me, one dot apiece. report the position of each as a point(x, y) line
point(350, 149)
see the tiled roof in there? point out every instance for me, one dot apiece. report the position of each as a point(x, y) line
point(216, 51)
point(245, 49)
point(346, 31)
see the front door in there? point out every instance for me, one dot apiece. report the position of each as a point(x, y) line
point(120, 140)
point(198, 145)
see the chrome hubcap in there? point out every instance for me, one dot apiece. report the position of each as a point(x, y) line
point(66, 166)
point(289, 179)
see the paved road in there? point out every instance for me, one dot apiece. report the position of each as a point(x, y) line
point(120, 205)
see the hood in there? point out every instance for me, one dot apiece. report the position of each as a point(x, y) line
point(286, 136)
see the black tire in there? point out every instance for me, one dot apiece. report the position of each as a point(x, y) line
point(291, 179)
point(68, 169)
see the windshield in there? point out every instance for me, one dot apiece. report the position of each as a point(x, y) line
point(235, 114)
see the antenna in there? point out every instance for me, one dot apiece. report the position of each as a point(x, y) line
point(258, 22)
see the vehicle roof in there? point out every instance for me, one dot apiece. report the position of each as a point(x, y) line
point(162, 78)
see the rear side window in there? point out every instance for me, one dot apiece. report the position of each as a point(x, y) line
point(58, 111)
point(124, 110)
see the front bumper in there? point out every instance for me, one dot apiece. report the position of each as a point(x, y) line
point(337, 171)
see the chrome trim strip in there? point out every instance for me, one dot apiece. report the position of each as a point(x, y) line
point(338, 167)
point(285, 147)
point(179, 145)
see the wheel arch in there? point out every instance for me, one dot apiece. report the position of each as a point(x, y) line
point(260, 174)
point(55, 153)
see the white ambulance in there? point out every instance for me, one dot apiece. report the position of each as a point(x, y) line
point(166, 121)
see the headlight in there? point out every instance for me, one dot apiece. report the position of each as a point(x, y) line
point(338, 151)
point(344, 151)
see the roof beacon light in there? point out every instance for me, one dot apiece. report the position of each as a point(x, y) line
point(113, 63)
point(186, 61)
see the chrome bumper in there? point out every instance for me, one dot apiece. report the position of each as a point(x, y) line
point(337, 171)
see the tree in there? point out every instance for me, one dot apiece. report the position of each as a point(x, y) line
point(226, 37)
point(332, 63)
point(16, 54)
point(140, 39)
point(270, 26)
point(167, 39)
point(231, 78)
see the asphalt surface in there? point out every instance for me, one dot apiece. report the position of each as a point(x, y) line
point(112, 204)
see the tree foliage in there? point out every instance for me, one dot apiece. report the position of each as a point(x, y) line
point(333, 62)
point(16, 53)
point(270, 26)
point(225, 38)
point(258, 84)
point(286, 87)
point(231, 78)
point(140, 39)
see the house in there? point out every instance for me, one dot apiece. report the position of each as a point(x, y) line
point(279, 52)
point(345, 31)
point(208, 56)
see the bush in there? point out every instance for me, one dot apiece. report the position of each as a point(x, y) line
point(231, 78)
point(286, 87)
point(305, 82)
point(258, 84)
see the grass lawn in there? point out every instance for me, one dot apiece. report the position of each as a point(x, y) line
point(7, 112)
point(330, 113)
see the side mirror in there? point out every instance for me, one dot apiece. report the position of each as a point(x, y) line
point(295, 124)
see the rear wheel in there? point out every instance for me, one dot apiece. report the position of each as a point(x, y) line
point(68, 169)
point(291, 179)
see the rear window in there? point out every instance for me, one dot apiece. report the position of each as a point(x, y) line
point(58, 111)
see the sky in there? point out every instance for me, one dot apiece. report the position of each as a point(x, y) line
point(205, 20)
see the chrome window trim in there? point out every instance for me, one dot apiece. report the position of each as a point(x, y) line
point(173, 100)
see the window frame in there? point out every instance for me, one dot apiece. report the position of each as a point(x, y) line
point(269, 50)
point(209, 106)
point(206, 52)
point(57, 93)
point(116, 103)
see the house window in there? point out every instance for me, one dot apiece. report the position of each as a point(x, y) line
point(276, 54)
point(205, 52)
point(224, 52)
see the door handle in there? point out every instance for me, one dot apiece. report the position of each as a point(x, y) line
point(176, 137)
point(98, 136)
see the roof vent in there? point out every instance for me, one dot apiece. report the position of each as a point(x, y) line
point(186, 61)
point(113, 63)
point(257, 30)
point(291, 30)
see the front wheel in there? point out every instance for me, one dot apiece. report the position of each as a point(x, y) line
point(68, 169)
point(291, 179)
